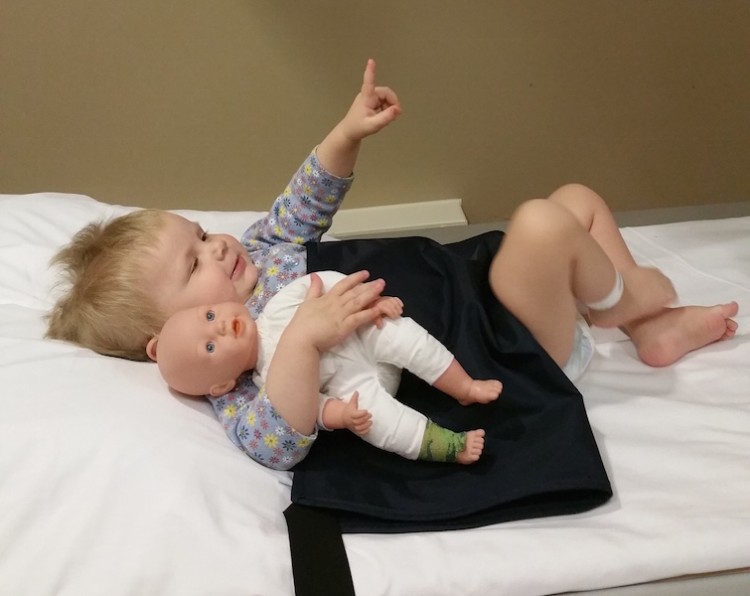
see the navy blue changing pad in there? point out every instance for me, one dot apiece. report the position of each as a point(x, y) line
point(540, 457)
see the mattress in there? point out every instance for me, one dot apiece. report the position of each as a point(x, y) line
point(112, 484)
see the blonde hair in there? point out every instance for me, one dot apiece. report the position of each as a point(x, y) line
point(105, 307)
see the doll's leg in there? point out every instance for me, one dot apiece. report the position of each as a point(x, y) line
point(395, 427)
point(668, 334)
point(403, 343)
point(441, 444)
point(402, 430)
point(457, 383)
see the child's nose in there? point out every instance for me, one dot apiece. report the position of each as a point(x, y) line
point(218, 248)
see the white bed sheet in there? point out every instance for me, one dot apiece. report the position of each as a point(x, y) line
point(110, 484)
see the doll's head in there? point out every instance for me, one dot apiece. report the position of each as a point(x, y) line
point(204, 349)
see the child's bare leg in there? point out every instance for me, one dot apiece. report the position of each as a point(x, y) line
point(645, 289)
point(593, 213)
point(549, 261)
point(457, 383)
point(669, 333)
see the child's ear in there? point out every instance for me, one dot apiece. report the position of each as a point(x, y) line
point(151, 347)
point(221, 388)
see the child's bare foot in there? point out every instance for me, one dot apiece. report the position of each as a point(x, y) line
point(474, 447)
point(481, 392)
point(646, 291)
point(666, 337)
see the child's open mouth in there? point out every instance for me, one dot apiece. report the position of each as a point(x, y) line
point(239, 268)
point(237, 327)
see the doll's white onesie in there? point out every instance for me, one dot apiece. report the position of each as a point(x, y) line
point(369, 361)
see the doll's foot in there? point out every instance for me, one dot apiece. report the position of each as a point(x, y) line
point(646, 291)
point(481, 392)
point(474, 447)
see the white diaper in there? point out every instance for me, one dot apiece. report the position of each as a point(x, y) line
point(583, 350)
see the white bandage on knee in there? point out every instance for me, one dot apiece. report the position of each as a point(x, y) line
point(612, 298)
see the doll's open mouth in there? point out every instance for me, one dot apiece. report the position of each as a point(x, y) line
point(237, 327)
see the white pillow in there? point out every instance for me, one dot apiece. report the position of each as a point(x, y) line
point(110, 483)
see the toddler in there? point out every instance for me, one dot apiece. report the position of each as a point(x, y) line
point(558, 255)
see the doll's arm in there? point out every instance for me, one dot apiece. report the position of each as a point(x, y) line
point(338, 414)
point(388, 307)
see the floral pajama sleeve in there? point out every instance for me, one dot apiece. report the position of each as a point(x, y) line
point(276, 244)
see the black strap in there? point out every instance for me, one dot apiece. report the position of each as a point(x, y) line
point(319, 561)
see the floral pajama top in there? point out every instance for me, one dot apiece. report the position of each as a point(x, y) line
point(301, 214)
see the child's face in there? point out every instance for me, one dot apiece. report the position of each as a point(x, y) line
point(202, 350)
point(190, 267)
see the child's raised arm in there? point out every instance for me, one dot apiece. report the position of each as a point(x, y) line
point(374, 108)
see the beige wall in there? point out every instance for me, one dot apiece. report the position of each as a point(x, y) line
point(212, 104)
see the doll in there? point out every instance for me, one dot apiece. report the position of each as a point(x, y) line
point(203, 350)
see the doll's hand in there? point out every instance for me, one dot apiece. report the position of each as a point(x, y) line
point(373, 109)
point(390, 307)
point(356, 420)
point(325, 320)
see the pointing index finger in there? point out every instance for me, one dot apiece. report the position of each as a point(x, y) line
point(368, 80)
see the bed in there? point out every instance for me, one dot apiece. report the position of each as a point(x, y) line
point(112, 485)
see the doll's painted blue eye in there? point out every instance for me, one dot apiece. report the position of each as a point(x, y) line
point(210, 347)
point(210, 315)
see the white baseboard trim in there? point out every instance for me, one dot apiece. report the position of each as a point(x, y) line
point(400, 217)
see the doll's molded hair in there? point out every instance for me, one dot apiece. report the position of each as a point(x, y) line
point(103, 306)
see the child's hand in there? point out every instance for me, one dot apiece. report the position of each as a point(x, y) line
point(356, 420)
point(374, 108)
point(390, 307)
point(325, 320)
